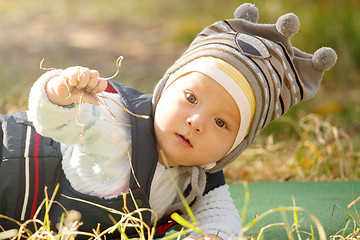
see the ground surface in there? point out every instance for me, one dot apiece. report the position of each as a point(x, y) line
point(327, 201)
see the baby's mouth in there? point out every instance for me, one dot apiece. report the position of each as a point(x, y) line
point(184, 140)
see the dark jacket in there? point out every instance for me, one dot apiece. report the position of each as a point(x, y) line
point(29, 162)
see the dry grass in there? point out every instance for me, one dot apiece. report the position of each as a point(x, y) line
point(70, 222)
point(318, 151)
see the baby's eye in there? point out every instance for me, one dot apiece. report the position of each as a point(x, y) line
point(220, 122)
point(191, 98)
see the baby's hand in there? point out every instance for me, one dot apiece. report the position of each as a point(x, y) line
point(76, 84)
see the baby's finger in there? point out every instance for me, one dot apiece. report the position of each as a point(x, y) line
point(93, 82)
point(71, 74)
point(94, 73)
point(101, 85)
point(83, 78)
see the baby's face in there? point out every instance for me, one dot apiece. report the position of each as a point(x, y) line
point(196, 121)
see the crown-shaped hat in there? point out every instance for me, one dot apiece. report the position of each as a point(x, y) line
point(279, 74)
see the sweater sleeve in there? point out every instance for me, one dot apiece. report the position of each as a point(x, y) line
point(69, 126)
point(96, 140)
point(51, 120)
point(218, 215)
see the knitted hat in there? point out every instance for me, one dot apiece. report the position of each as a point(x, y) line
point(279, 74)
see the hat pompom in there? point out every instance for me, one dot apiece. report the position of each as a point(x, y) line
point(324, 59)
point(288, 25)
point(247, 12)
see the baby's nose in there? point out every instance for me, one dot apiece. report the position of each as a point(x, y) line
point(195, 122)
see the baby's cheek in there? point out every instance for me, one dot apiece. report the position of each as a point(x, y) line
point(225, 143)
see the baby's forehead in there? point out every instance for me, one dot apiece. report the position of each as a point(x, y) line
point(195, 78)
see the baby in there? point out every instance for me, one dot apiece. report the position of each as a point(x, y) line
point(236, 77)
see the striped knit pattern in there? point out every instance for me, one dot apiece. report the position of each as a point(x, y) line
point(280, 75)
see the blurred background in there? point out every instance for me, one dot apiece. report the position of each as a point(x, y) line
point(317, 140)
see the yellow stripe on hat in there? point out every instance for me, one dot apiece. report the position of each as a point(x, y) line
point(237, 76)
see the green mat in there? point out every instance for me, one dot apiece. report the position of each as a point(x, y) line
point(327, 201)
